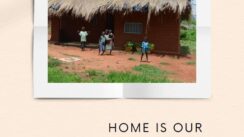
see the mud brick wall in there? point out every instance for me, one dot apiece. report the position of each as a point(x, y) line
point(163, 31)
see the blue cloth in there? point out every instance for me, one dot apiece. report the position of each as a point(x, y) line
point(101, 46)
point(102, 39)
point(102, 43)
point(144, 47)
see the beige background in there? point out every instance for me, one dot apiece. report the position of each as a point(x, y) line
point(23, 116)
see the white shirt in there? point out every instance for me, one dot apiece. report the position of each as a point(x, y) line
point(83, 35)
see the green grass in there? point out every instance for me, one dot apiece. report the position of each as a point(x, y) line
point(56, 75)
point(53, 62)
point(143, 74)
point(151, 73)
point(94, 72)
point(124, 77)
point(128, 77)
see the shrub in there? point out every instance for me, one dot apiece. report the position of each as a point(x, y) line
point(129, 46)
point(151, 46)
point(183, 35)
point(184, 50)
point(188, 34)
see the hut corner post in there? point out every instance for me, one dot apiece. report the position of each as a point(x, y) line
point(148, 20)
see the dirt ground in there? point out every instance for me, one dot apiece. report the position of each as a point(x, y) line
point(180, 70)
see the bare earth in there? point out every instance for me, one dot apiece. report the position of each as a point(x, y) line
point(179, 69)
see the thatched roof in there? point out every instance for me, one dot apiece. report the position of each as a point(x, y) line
point(88, 8)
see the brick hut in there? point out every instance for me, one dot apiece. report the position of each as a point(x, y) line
point(130, 20)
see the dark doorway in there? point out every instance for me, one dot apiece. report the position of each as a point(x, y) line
point(110, 21)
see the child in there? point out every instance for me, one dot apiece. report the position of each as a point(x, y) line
point(109, 41)
point(144, 48)
point(102, 43)
point(83, 34)
point(111, 35)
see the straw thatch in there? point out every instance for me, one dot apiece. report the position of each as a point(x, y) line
point(88, 8)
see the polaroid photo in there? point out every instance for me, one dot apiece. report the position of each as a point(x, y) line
point(122, 49)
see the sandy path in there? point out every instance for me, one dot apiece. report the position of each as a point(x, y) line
point(119, 61)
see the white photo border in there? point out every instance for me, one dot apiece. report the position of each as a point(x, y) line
point(200, 89)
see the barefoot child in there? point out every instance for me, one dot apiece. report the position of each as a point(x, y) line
point(111, 35)
point(109, 41)
point(144, 48)
point(83, 34)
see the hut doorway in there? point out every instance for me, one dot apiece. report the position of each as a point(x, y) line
point(110, 21)
point(64, 29)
